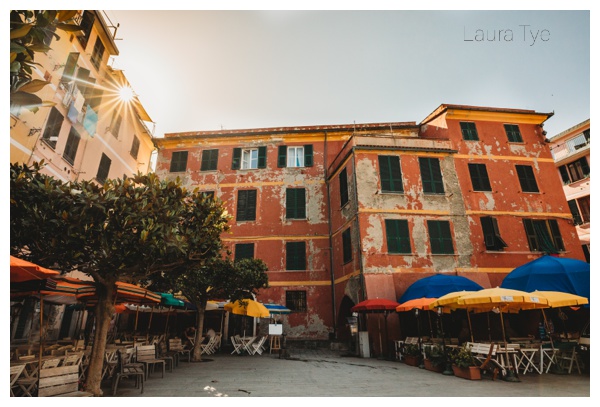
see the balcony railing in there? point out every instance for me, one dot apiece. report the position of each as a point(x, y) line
point(572, 146)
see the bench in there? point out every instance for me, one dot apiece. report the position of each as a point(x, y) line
point(61, 381)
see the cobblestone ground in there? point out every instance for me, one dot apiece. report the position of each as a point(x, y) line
point(325, 373)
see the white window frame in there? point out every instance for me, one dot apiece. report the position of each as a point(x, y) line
point(249, 158)
point(295, 156)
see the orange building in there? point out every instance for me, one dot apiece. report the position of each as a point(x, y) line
point(571, 153)
point(342, 213)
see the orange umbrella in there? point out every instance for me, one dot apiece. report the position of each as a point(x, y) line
point(419, 303)
point(23, 270)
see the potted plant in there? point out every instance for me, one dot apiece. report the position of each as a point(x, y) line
point(463, 364)
point(435, 358)
point(412, 355)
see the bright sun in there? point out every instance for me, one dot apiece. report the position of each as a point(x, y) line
point(125, 94)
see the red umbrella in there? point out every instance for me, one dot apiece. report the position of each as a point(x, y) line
point(377, 305)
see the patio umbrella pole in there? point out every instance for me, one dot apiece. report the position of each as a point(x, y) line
point(41, 338)
point(430, 326)
point(150, 319)
point(470, 328)
point(511, 374)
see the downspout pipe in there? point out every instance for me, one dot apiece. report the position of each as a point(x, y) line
point(331, 270)
point(357, 222)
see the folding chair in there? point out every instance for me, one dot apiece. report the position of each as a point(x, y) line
point(257, 347)
point(237, 345)
point(567, 356)
point(175, 345)
point(15, 372)
point(127, 369)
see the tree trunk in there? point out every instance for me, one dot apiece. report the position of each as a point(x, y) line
point(104, 311)
point(197, 353)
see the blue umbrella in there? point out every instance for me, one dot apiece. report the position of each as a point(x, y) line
point(549, 273)
point(277, 309)
point(438, 285)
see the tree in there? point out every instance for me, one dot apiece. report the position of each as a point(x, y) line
point(29, 31)
point(215, 279)
point(127, 229)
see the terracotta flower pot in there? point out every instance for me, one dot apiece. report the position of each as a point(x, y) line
point(412, 360)
point(471, 372)
point(430, 366)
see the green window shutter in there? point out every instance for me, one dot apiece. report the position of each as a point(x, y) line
point(262, 157)
point(295, 205)
point(244, 251)
point(347, 245)
point(209, 160)
point(556, 236)
point(575, 211)
point(398, 238)
point(237, 159)
point(531, 236)
point(440, 237)
point(479, 177)
point(308, 155)
point(70, 65)
point(282, 157)
point(431, 175)
point(390, 173)
point(469, 131)
point(564, 174)
point(295, 258)
point(343, 187)
point(513, 133)
point(179, 161)
point(246, 207)
point(526, 178)
point(491, 234)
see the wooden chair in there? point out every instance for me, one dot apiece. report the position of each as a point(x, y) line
point(146, 354)
point(50, 363)
point(61, 381)
point(126, 368)
point(171, 358)
point(15, 372)
point(238, 346)
point(175, 345)
point(258, 347)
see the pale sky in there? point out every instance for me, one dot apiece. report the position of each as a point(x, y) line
point(199, 70)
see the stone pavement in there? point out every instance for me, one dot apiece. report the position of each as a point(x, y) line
point(327, 373)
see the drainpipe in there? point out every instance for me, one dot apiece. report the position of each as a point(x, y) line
point(360, 259)
point(331, 270)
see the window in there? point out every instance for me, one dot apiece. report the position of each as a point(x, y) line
point(469, 131)
point(103, 168)
point(526, 178)
point(575, 212)
point(53, 126)
point(179, 161)
point(543, 236)
point(246, 205)
point(343, 187)
point(295, 256)
point(244, 251)
point(479, 177)
point(347, 245)
point(295, 203)
point(513, 133)
point(300, 156)
point(249, 158)
point(398, 238)
point(71, 146)
point(295, 300)
point(390, 173)
point(584, 207)
point(49, 31)
point(115, 124)
point(491, 234)
point(87, 22)
point(574, 171)
point(70, 65)
point(97, 53)
point(431, 175)
point(440, 238)
point(135, 147)
point(209, 160)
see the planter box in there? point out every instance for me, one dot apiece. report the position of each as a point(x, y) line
point(412, 360)
point(430, 366)
point(471, 373)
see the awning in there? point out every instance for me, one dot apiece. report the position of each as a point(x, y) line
point(23, 270)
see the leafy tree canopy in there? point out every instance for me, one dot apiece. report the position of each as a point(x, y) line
point(29, 33)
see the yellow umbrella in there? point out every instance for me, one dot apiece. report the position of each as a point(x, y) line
point(248, 308)
point(501, 299)
point(558, 299)
point(448, 301)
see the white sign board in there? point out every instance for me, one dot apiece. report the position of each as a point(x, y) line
point(275, 329)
